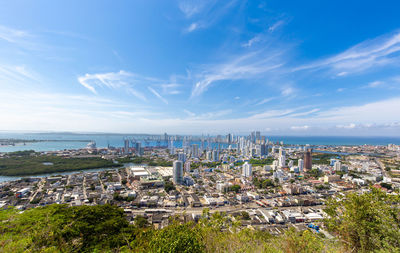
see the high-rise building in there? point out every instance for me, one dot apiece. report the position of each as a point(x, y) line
point(282, 157)
point(308, 159)
point(187, 166)
point(246, 169)
point(338, 166)
point(300, 163)
point(209, 155)
point(139, 149)
point(181, 157)
point(253, 137)
point(258, 150)
point(258, 136)
point(195, 150)
point(171, 147)
point(178, 172)
point(126, 146)
point(215, 156)
point(264, 149)
point(229, 138)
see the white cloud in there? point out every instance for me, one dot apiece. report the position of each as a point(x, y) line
point(158, 95)
point(383, 111)
point(116, 80)
point(288, 91)
point(207, 12)
point(251, 41)
point(265, 100)
point(191, 7)
point(246, 66)
point(271, 114)
point(189, 113)
point(307, 113)
point(349, 126)
point(17, 74)
point(380, 51)
point(171, 88)
point(375, 84)
point(276, 25)
point(13, 35)
point(192, 27)
point(299, 127)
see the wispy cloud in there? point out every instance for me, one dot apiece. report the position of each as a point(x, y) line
point(379, 111)
point(349, 126)
point(192, 27)
point(251, 41)
point(189, 113)
point(191, 7)
point(380, 51)
point(213, 115)
point(305, 127)
point(246, 66)
point(302, 114)
point(13, 35)
point(375, 84)
point(272, 114)
point(265, 100)
point(205, 13)
point(276, 25)
point(17, 74)
point(112, 80)
point(287, 91)
point(171, 88)
point(157, 95)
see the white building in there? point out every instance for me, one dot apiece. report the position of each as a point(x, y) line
point(300, 164)
point(247, 169)
point(338, 166)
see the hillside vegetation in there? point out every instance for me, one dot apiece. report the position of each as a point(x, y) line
point(362, 223)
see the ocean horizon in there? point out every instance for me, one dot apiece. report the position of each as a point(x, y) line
point(61, 141)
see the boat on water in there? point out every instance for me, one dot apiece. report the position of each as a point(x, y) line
point(91, 145)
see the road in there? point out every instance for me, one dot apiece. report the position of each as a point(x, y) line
point(39, 189)
point(228, 209)
point(84, 187)
point(65, 190)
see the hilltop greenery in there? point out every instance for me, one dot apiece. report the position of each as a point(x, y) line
point(362, 223)
point(24, 163)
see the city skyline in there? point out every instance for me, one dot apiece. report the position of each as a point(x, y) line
point(193, 67)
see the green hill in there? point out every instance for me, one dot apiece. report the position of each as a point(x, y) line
point(362, 223)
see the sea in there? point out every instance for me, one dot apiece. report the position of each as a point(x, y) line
point(61, 141)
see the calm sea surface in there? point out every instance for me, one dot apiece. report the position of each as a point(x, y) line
point(76, 141)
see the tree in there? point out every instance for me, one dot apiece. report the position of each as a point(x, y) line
point(299, 242)
point(235, 188)
point(141, 221)
point(365, 222)
point(245, 215)
point(177, 238)
point(169, 186)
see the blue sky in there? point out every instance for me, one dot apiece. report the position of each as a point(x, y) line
point(184, 66)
